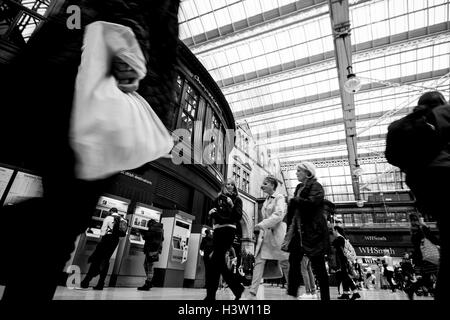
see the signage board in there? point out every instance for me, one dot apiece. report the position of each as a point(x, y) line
point(25, 186)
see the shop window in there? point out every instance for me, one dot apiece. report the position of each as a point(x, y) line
point(189, 110)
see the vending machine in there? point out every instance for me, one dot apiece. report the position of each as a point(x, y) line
point(129, 269)
point(194, 273)
point(169, 270)
point(87, 241)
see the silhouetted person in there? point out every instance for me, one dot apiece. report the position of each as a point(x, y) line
point(431, 184)
point(99, 259)
point(39, 85)
point(154, 237)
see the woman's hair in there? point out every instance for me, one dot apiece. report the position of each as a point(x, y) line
point(309, 168)
point(224, 189)
point(272, 180)
point(431, 99)
point(340, 230)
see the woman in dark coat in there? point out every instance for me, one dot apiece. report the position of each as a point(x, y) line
point(226, 214)
point(40, 85)
point(308, 232)
point(343, 266)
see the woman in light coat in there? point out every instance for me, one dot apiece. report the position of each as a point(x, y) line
point(272, 232)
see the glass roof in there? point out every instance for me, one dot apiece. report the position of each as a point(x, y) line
point(274, 61)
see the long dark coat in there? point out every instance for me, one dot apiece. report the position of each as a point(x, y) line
point(308, 229)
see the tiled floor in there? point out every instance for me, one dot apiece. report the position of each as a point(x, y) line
point(266, 292)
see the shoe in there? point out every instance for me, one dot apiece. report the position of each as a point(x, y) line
point(344, 296)
point(98, 287)
point(84, 285)
point(355, 296)
point(146, 287)
point(314, 296)
point(239, 293)
point(305, 296)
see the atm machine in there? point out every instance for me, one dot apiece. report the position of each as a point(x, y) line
point(87, 241)
point(169, 270)
point(194, 273)
point(129, 270)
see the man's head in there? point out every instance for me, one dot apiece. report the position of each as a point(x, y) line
point(113, 211)
point(432, 99)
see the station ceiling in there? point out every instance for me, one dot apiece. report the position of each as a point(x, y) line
point(276, 63)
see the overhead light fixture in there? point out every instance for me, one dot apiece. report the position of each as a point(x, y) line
point(353, 83)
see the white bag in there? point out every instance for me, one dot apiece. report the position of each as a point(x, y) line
point(111, 130)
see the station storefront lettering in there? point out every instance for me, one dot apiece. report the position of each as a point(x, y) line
point(379, 251)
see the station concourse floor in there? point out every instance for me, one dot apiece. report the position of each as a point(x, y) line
point(266, 292)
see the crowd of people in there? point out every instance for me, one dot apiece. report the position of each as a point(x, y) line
point(294, 238)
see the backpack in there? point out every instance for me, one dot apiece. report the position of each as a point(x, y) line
point(120, 227)
point(154, 238)
point(349, 251)
point(413, 141)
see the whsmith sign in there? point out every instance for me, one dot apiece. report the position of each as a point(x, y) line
point(375, 244)
point(379, 251)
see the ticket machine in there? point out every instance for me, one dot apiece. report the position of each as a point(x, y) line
point(169, 270)
point(194, 273)
point(87, 241)
point(129, 270)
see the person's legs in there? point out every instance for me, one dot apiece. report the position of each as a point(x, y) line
point(431, 189)
point(318, 265)
point(104, 267)
point(284, 264)
point(231, 279)
point(94, 270)
point(258, 270)
point(222, 240)
point(49, 236)
point(295, 258)
point(312, 278)
point(389, 276)
point(305, 274)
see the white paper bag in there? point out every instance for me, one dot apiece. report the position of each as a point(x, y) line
point(111, 130)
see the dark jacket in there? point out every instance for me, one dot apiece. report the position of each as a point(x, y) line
point(153, 237)
point(341, 261)
point(224, 213)
point(308, 230)
point(442, 123)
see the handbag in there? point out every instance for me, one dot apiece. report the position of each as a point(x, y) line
point(111, 130)
point(430, 251)
point(272, 270)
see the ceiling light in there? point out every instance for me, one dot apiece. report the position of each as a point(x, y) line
point(353, 83)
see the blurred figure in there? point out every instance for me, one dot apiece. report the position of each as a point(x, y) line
point(431, 184)
point(226, 214)
point(53, 53)
point(273, 232)
point(308, 231)
point(206, 249)
point(420, 231)
point(344, 266)
point(388, 264)
point(154, 237)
